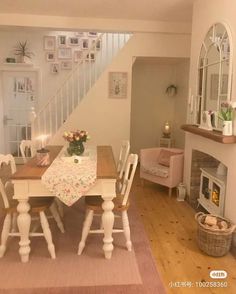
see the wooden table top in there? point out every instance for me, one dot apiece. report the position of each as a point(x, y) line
point(106, 167)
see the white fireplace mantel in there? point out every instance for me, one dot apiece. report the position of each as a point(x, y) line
point(225, 153)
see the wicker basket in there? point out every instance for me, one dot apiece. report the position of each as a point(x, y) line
point(214, 242)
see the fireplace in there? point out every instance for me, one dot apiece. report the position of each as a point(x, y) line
point(207, 183)
point(212, 189)
point(201, 152)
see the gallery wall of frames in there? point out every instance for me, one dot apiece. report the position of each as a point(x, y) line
point(62, 52)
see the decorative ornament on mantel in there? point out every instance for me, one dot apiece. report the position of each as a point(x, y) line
point(23, 53)
point(226, 115)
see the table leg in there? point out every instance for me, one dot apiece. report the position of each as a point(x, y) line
point(23, 222)
point(108, 222)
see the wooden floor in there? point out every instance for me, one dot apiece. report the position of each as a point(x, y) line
point(171, 229)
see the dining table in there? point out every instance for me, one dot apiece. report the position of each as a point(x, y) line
point(27, 181)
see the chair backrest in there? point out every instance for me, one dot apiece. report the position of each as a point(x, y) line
point(124, 152)
point(130, 169)
point(5, 187)
point(27, 149)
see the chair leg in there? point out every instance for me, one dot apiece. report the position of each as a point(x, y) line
point(5, 232)
point(170, 192)
point(14, 223)
point(60, 207)
point(86, 227)
point(57, 217)
point(126, 229)
point(47, 234)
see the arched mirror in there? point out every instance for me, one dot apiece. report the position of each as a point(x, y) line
point(214, 76)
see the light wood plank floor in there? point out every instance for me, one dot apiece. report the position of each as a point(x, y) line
point(171, 229)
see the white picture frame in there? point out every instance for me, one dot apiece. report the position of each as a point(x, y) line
point(96, 45)
point(117, 85)
point(92, 34)
point(50, 56)
point(78, 55)
point(62, 41)
point(90, 56)
point(66, 64)
point(64, 53)
point(73, 41)
point(55, 68)
point(49, 43)
point(84, 43)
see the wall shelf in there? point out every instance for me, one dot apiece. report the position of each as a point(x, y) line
point(212, 135)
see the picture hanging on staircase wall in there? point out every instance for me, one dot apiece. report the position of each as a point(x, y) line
point(118, 85)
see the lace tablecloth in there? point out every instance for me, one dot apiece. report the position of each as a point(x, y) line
point(69, 178)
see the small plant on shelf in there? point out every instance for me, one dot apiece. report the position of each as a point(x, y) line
point(22, 50)
point(226, 111)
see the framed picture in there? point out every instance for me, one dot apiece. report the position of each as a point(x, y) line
point(55, 68)
point(20, 85)
point(49, 43)
point(78, 54)
point(84, 43)
point(96, 44)
point(66, 64)
point(74, 41)
point(79, 34)
point(90, 56)
point(64, 53)
point(92, 34)
point(50, 56)
point(61, 41)
point(117, 84)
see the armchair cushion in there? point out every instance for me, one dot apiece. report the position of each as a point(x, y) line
point(157, 170)
point(164, 157)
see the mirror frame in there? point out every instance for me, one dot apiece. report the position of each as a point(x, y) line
point(208, 118)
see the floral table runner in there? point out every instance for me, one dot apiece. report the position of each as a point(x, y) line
point(69, 178)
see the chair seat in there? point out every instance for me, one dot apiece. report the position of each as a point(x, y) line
point(156, 170)
point(37, 204)
point(95, 203)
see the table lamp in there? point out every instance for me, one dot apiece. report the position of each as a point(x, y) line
point(166, 130)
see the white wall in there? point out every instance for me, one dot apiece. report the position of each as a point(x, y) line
point(151, 106)
point(97, 24)
point(180, 114)
point(108, 120)
point(205, 14)
point(35, 38)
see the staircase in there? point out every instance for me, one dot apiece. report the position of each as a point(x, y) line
point(80, 80)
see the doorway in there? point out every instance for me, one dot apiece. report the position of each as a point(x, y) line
point(19, 97)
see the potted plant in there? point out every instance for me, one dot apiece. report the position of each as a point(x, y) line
point(22, 50)
point(171, 90)
point(226, 115)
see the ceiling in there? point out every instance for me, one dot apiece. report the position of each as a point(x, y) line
point(151, 10)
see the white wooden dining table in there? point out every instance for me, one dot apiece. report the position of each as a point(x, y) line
point(27, 183)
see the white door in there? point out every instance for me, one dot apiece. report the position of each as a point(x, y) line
point(19, 96)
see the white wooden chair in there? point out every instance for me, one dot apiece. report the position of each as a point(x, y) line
point(123, 155)
point(28, 149)
point(121, 205)
point(38, 207)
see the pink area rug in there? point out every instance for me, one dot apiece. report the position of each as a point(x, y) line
point(126, 273)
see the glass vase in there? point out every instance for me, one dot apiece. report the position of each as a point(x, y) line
point(75, 148)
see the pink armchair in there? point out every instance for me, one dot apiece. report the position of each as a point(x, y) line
point(163, 166)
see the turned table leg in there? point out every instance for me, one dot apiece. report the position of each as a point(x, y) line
point(108, 222)
point(23, 222)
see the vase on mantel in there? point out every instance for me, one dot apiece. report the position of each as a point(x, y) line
point(227, 129)
point(75, 148)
